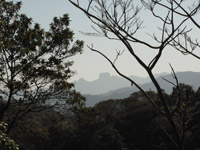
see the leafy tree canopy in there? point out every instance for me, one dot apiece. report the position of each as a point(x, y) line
point(34, 63)
point(5, 142)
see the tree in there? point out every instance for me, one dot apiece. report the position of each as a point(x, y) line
point(47, 129)
point(118, 20)
point(34, 64)
point(5, 142)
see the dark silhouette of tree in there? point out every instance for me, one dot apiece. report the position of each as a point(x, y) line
point(119, 20)
point(34, 64)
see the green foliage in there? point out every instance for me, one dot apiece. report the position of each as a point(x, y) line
point(124, 124)
point(5, 142)
point(107, 138)
point(45, 130)
point(34, 63)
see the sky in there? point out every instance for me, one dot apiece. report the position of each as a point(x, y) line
point(90, 64)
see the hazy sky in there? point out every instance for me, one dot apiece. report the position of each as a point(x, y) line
point(90, 64)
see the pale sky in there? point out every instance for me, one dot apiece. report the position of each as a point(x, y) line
point(90, 64)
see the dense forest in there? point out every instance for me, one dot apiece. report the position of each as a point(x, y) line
point(125, 124)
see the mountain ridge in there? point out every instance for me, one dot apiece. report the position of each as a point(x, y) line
point(106, 83)
point(189, 77)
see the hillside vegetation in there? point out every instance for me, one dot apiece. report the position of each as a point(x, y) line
point(126, 124)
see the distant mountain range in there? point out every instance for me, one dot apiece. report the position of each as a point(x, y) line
point(106, 83)
point(114, 87)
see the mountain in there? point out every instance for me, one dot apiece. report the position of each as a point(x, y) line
point(191, 78)
point(106, 83)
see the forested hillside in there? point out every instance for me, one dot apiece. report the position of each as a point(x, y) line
point(125, 124)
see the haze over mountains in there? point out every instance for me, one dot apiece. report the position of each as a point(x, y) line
point(114, 87)
point(106, 83)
